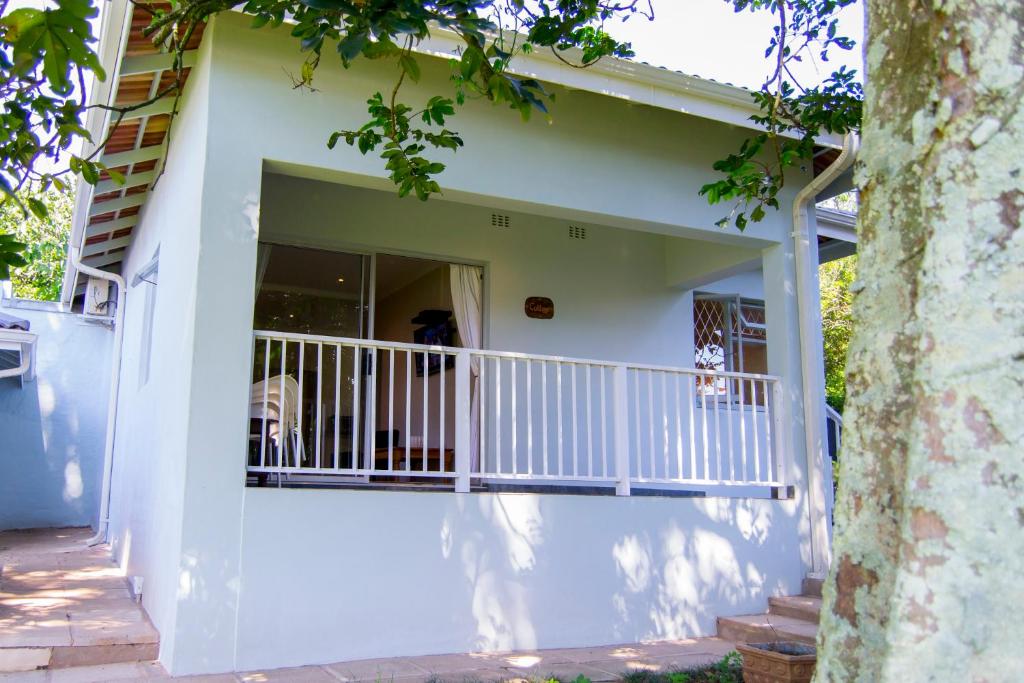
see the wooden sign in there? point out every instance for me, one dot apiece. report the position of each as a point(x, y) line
point(540, 307)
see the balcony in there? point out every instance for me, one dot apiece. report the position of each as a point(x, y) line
point(341, 411)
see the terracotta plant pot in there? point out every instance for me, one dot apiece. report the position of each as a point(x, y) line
point(782, 662)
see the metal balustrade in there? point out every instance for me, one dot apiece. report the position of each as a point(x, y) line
point(370, 411)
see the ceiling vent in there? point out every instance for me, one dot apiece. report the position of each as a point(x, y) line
point(501, 220)
point(577, 232)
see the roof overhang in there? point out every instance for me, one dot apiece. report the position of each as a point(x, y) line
point(837, 234)
point(106, 214)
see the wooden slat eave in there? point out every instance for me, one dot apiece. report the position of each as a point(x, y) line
point(137, 147)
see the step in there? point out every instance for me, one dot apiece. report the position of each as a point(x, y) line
point(764, 628)
point(65, 604)
point(812, 587)
point(797, 606)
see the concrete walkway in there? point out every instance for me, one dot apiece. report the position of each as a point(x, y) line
point(64, 604)
point(66, 617)
point(597, 664)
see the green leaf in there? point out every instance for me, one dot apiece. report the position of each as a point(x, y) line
point(351, 45)
point(410, 67)
point(37, 208)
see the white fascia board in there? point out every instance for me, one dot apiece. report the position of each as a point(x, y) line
point(115, 25)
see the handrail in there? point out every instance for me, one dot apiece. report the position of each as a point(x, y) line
point(427, 348)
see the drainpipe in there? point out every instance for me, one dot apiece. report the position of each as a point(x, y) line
point(115, 381)
point(811, 361)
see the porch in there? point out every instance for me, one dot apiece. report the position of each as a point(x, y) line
point(399, 345)
point(331, 410)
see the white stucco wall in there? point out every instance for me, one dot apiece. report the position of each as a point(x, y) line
point(216, 557)
point(749, 285)
point(148, 486)
point(52, 428)
point(611, 301)
point(328, 575)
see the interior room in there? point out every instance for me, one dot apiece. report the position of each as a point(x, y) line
point(380, 297)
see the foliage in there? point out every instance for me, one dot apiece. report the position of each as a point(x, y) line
point(492, 33)
point(836, 279)
point(792, 115)
point(44, 236)
point(46, 61)
point(45, 56)
point(729, 669)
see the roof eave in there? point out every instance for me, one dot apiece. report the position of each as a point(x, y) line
point(114, 26)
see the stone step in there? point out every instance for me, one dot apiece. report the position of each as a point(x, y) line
point(796, 606)
point(812, 587)
point(764, 628)
point(64, 604)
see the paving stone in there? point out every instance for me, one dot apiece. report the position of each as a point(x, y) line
point(444, 664)
point(39, 676)
point(100, 632)
point(303, 674)
point(35, 633)
point(79, 655)
point(23, 658)
point(372, 669)
point(101, 673)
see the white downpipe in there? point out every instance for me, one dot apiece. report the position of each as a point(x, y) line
point(811, 362)
point(115, 381)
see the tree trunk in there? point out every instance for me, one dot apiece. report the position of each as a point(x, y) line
point(928, 577)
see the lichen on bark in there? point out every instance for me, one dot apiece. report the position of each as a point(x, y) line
point(929, 550)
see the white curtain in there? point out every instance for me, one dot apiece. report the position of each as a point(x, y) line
point(467, 300)
point(262, 260)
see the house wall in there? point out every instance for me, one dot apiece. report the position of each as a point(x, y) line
point(149, 477)
point(601, 161)
point(417, 573)
point(52, 428)
point(611, 301)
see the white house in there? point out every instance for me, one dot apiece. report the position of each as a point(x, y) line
point(556, 406)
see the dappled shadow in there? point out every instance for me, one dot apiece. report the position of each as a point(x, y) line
point(53, 426)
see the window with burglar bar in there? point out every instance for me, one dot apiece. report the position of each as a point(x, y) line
point(729, 334)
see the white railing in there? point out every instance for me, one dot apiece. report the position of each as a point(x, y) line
point(385, 411)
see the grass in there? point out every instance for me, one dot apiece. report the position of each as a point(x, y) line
point(729, 669)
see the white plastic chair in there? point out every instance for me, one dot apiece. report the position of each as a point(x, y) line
point(281, 412)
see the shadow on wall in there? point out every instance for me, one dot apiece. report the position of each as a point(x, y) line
point(673, 575)
point(325, 573)
point(51, 453)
